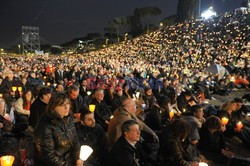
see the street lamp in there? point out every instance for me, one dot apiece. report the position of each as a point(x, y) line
point(107, 41)
point(161, 24)
point(19, 48)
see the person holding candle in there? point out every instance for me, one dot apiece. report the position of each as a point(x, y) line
point(22, 106)
point(149, 98)
point(212, 143)
point(227, 110)
point(90, 133)
point(183, 101)
point(102, 111)
point(56, 140)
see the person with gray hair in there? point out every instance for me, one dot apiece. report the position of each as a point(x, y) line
point(102, 111)
point(124, 113)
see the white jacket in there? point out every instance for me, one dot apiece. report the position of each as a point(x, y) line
point(18, 105)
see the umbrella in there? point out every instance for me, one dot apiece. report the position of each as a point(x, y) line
point(217, 69)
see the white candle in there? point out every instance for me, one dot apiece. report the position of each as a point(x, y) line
point(203, 164)
point(137, 95)
point(85, 152)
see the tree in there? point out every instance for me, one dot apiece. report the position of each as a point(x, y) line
point(119, 26)
point(170, 20)
point(147, 14)
point(187, 9)
point(136, 25)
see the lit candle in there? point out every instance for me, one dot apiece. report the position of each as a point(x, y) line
point(14, 88)
point(171, 114)
point(137, 95)
point(88, 93)
point(44, 77)
point(85, 152)
point(1, 95)
point(20, 89)
point(184, 110)
point(224, 120)
point(111, 117)
point(48, 84)
point(7, 160)
point(92, 107)
point(203, 164)
point(239, 125)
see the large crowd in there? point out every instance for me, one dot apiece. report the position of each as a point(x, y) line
point(144, 101)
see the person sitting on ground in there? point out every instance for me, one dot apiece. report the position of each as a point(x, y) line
point(171, 152)
point(22, 106)
point(124, 151)
point(102, 111)
point(124, 113)
point(76, 101)
point(90, 133)
point(212, 142)
point(38, 107)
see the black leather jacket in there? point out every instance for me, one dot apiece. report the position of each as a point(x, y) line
point(56, 142)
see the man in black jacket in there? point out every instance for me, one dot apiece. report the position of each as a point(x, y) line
point(102, 111)
point(6, 88)
point(124, 151)
point(93, 135)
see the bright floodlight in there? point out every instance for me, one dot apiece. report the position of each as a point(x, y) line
point(208, 13)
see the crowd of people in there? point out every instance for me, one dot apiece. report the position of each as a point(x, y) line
point(144, 101)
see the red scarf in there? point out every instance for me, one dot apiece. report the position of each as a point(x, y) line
point(27, 107)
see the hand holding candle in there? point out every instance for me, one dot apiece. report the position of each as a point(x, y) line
point(14, 88)
point(171, 114)
point(7, 160)
point(224, 120)
point(85, 152)
point(92, 107)
point(239, 125)
point(20, 89)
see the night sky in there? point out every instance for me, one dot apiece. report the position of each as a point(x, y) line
point(63, 20)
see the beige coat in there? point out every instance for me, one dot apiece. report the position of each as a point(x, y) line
point(18, 105)
point(120, 116)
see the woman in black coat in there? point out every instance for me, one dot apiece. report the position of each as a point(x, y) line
point(212, 143)
point(171, 152)
point(38, 107)
point(56, 141)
